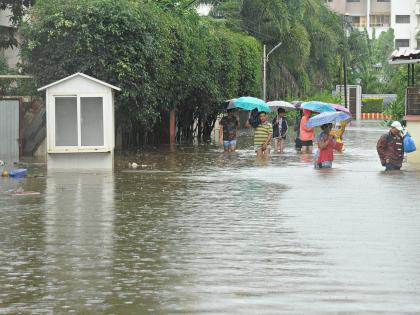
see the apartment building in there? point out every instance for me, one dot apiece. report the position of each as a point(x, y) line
point(11, 54)
point(380, 15)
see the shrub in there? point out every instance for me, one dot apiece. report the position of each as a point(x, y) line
point(373, 105)
point(326, 97)
point(161, 61)
point(396, 111)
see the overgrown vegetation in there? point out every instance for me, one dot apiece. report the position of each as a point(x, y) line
point(165, 57)
point(373, 105)
point(309, 58)
point(160, 59)
point(368, 62)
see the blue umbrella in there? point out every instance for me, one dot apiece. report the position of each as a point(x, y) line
point(326, 118)
point(319, 107)
point(250, 103)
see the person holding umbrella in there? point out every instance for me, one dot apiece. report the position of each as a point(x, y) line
point(262, 135)
point(228, 126)
point(306, 135)
point(326, 143)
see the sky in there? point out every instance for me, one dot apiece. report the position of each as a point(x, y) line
point(203, 9)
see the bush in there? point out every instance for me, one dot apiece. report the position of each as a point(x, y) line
point(396, 111)
point(373, 105)
point(326, 97)
point(161, 60)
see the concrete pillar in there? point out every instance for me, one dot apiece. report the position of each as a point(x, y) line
point(413, 127)
point(368, 14)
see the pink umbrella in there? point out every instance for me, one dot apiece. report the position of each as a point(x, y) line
point(341, 108)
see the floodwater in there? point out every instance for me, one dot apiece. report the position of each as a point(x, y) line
point(200, 232)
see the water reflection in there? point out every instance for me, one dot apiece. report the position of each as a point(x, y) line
point(198, 231)
point(79, 226)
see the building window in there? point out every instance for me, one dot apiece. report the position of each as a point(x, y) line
point(79, 121)
point(358, 21)
point(379, 21)
point(402, 19)
point(353, 0)
point(383, 1)
point(402, 43)
point(355, 21)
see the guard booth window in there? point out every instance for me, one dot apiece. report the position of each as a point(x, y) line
point(92, 121)
point(66, 121)
point(79, 122)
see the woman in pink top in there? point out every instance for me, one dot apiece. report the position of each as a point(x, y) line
point(306, 135)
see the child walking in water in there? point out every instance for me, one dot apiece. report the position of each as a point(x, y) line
point(279, 130)
point(325, 154)
point(262, 135)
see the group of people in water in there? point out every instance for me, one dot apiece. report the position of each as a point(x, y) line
point(390, 146)
point(264, 132)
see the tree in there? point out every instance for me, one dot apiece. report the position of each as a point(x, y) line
point(18, 9)
point(308, 59)
point(162, 60)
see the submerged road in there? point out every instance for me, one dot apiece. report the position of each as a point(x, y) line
point(197, 231)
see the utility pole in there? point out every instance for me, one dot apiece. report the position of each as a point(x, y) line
point(345, 83)
point(345, 28)
point(264, 74)
point(265, 60)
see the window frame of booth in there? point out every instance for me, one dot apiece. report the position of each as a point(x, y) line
point(79, 148)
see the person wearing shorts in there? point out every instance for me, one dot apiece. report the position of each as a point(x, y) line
point(279, 130)
point(262, 136)
point(227, 135)
point(306, 135)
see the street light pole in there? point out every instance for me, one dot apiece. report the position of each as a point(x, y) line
point(264, 73)
point(344, 60)
point(345, 83)
point(265, 60)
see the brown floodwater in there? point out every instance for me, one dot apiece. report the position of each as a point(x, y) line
point(196, 231)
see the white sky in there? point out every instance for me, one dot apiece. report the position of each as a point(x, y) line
point(203, 9)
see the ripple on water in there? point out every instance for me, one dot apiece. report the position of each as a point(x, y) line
point(198, 231)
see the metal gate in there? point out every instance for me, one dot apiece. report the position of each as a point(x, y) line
point(353, 100)
point(9, 130)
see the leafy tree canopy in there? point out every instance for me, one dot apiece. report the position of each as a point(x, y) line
point(161, 59)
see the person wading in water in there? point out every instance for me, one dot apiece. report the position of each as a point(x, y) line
point(391, 149)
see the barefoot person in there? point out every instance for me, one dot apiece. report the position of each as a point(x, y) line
point(279, 130)
point(306, 135)
point(227, 135)
point(391, 149)
point(262, 136)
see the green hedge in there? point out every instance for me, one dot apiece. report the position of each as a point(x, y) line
point(373, 105)
point(160, 59)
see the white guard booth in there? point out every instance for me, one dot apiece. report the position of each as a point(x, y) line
point(80, 123)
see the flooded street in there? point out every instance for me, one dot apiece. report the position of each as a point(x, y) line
point(198, 231)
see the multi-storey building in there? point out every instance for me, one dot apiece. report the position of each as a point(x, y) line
point(380, 15)
point(11, 54)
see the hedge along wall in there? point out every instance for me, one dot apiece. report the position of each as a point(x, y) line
point(161, 60)
point(372, 105)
